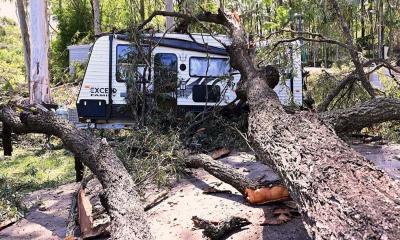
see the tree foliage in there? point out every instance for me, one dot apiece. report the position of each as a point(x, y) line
point(11, 57)
point(75, 26)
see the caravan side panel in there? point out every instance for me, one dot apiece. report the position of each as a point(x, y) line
point(93, 95)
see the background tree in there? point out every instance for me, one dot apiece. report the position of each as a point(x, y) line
point(96, 17)
point(39, 68)
point(23, 24)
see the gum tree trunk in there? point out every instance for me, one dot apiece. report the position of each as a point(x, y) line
point(23, 25)
point(39, 87)
point(96, 17)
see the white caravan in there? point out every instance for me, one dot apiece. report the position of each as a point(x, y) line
point(195, 68)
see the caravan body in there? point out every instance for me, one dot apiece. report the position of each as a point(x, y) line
point(197, 65)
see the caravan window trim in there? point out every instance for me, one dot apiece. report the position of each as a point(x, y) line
point(116, 59)
point(194, 75)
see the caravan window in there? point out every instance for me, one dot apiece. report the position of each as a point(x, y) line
point(209, 67)
point(130, 62)
point(165, 72)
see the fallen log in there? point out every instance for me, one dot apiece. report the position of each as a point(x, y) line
point(220, 230)
point(127, 216)
point(252, 191)
point(362, 115)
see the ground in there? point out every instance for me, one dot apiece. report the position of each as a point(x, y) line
point(47, 219)
point(171, 219)
point(31, 168)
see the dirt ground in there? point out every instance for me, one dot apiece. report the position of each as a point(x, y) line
point(47, 217)
point(171, 219)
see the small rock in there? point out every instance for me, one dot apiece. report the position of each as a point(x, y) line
point(42, 208)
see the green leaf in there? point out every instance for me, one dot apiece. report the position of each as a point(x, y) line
point(267, 2)
point(270, 25)
point(282, 15)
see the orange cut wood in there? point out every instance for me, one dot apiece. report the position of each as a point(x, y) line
point(84, 213)
point(267, 194)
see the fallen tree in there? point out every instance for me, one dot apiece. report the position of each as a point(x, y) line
point(122, 203)
point(253, 191)
point(340, 194)
point(362, 115)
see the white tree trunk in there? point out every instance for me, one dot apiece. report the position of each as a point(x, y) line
point(96, 17)
point(39, 69)
point(169, 7)
point(23, 24)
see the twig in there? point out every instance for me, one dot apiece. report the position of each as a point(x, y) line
point(161, 197)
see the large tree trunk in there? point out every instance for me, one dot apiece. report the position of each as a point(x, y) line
point(128, 220)
point(340, 193)
point(25, 36)
point(96, 17)
point(39, 67)
point(169, 6)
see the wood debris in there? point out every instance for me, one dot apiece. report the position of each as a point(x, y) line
point(213, 190)
point(220, 153)
point(264, 195)
point(157, 200)
point(220, 230)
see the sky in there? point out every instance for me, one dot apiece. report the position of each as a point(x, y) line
point(7, 9)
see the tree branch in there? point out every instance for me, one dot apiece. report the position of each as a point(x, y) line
point(362, 115)
point(127, 215)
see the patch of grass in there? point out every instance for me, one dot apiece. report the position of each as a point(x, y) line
point(150, 155)
point(31, 169)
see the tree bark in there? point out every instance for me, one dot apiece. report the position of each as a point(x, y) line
point(96, 17)
point(39, 88)
point(128, 220)
point(23, 24)
point(221, 171)
point(169, 7)
point(79, 169)
point(362, 115)
point(254, 192)
point(220, 230)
